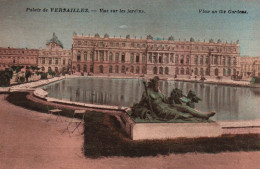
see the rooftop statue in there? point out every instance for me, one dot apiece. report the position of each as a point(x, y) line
point(154, 106)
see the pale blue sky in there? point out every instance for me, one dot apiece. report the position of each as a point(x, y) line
point(162, 18)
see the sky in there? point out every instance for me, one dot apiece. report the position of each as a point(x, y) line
point(161, 18)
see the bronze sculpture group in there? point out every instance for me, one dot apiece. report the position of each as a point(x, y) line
point(176, 108)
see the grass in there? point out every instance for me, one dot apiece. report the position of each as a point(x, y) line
point(103, 137)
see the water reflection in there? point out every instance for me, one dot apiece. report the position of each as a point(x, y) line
point(230, 103)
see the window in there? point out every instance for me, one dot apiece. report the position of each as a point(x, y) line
point(201, 60)
point(117, 58)
point(85, 68)
point(144, 70)
point(187, 71)
point(166, 70)
point(201, 71)
point(132, 69)
point(182, 59)
point(176, 70)
point(137, 70)
point(123, 57)
point(101, 69)
point(117, 69)
point(176, 59)
point(79, 42)
point(182, 71)
point(161, 70)
point(155, 70)
point(150, 57)
point(110, 69)
point(132, 57)
point(196, 59)
point(92, 56)
point(110, 57)
point(85, 56)
point(143, 58)
point(50, 61)
point(196, 71)
point(187, 59)
point(137, 58)
point(78, 56)
point(167, 58)
point(123, 69)
point(64, 61)
point(224, 60)
point(216, 60)
point(56, 61)
point(101, 56)
point(160, 58)
point(123, 44)
point(43, 60)
point(155, 58)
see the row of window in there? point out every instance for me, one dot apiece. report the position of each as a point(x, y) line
point(216, 60)
point(113, 69)
point(18, 51)
point(10, 57)
point(207, 48)
point(52, 61)
point(152, 46)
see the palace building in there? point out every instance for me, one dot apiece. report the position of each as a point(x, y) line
point(136, 57)
point(54, 57)
point(250, 66)
point(18, 57)
point(106, 55)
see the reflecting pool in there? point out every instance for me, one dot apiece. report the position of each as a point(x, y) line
point(229, 103)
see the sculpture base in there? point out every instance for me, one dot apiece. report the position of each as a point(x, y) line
point(142, 131)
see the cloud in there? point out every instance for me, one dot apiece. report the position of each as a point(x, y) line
point(123, 26)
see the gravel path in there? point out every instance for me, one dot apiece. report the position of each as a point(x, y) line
point(29, 141)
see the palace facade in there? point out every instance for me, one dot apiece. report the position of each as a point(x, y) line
point(54, 57)
point(250, 66)
point(18, 57)
point(138, 57)
point(106, 55)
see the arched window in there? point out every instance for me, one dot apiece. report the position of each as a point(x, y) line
point(110, 69)
point(160, 58)
point(207, 59)
point(43, 69)
point(182, 59)
point(144, 70)
point(155, 58)
point(143, 58)
point(187, 59)
point(176, 70)
point(224, 60)
point(216, 60)
point(85, 68)
point(137, 70)
point(123, 57)
point(182, 71)
point(78, 56)
point(176, 59)
point(167, 58)
point(117, 69)
point(91, 68)
point(110, 57)
point(132, 57)
point(155, 70)
point(196, 71)
point(224, 72)
point(166, 70)
point(92, 56)
point(137, 58)
point(216, 72)
point(101, 69)
point(207, 71)
point(196, 59)
point(85, 56)
point(117, 57)
point(201, 71)
point(161, 70)
point(187, 71)
point(229, 72)
point(132, 69)
point(123, 69)
point(201, 60)
point(78, 67)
